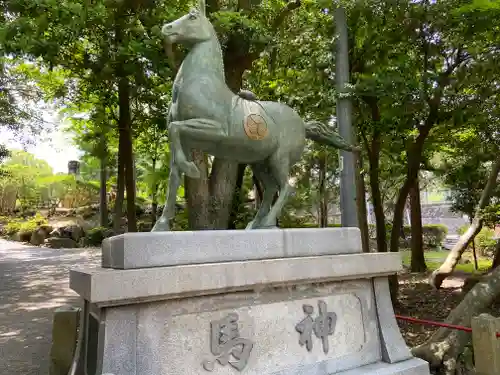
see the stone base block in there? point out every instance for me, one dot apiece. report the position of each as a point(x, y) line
point(414, 366)
point(64, 338)
point(318, 315)
point(158, 249)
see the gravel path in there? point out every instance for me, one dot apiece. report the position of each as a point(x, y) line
point(33, 283)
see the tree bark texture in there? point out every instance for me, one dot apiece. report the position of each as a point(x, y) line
point(125, 121)
point(417, 245)
point(414, 155)
point(103, 196)
point(361, 202)
point(125, 126)
point(455, 254)
point(374, 147)
point(120, 189)
point(198, 195)
point(238, 197)
point(496, 257)
point(154, 195)
point(323, 198)
point(445, 345)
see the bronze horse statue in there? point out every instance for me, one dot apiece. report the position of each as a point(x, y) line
point(206, 115)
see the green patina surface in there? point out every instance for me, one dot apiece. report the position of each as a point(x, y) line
point(206, 115)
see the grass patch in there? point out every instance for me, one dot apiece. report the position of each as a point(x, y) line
point(433, 259)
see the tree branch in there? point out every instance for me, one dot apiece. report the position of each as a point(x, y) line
point(289, 8)
point(212, 6)
point(366, 143)
point(244, 4)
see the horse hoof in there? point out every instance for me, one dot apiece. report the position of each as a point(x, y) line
point(191, 170)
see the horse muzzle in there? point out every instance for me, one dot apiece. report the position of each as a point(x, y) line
point(169, 33)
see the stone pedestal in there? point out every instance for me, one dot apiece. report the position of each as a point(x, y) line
point(262, 302)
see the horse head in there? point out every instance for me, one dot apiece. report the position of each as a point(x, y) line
point(190, 29)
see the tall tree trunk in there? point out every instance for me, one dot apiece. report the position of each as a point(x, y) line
point(378, 204)
point(496, 257)
point(222, 188)
point(103, 196)
point(474, 255)
point(259, 193)
point(414, 156)
point(125, 120)
point(238, 197)
point(445, 345)
point(417, 245)
point(323, 199)
point(198, 195)
point(361, 202)
point(120, 189)
point(374, 146)
point(455, 254)
point(154, 194)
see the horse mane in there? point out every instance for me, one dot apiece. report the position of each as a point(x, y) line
point(248, 95)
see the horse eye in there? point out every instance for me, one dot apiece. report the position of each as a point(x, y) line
point(192, 16)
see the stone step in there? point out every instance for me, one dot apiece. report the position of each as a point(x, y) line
point(450, 241)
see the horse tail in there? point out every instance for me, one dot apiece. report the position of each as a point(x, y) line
point(325, 135)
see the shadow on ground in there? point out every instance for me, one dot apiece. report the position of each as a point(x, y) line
point(33, 283)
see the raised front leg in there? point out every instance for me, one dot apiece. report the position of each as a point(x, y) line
point(174, 181)
point(198, 129)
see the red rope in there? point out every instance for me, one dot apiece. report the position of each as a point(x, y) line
point(437, 324)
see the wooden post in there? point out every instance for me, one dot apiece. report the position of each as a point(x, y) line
point(486, 344)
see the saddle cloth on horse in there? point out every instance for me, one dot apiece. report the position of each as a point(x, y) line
point(255, 119)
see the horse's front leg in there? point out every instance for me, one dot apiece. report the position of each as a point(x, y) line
point(197, 129)
point(174, 181)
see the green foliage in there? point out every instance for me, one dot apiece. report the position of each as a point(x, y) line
point(491, 215)
point(434, 234)
point(181, 221)
point(95, 236)
point(484, 241)
point(24, 226)
point(408, 60)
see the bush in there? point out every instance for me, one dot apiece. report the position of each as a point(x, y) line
point(180, 221)
point(434, 234)
point(484, 240)
point(24, 226)
point(95, 236)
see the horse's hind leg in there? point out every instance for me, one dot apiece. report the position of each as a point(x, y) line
point(280, 169)
point(174, 181)
point(270, 186)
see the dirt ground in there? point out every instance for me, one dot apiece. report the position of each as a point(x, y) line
point(417, 299)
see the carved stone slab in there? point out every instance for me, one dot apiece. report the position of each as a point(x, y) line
point(270, 331)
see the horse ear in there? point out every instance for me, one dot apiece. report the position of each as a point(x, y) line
point(202, 6)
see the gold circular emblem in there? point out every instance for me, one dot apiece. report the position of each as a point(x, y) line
point(255, 127)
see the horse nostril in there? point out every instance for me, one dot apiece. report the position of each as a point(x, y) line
point(169, 26)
